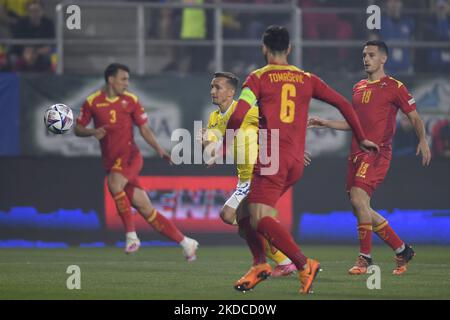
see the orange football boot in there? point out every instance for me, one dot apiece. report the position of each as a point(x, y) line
point(403, 259)
point(255, 275)
point(308, 275)
point(361, 265)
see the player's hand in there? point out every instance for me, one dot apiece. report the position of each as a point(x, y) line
point(201, 135)
point(369, 146)
point(424, 149)
point(316, 122)
point(100, 133)
point(306, 158)
point(164, 155)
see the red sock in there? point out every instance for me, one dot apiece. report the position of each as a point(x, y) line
point(385, 232)
point(365, 238)
point(165, 226)
point(254, 241)
point(277, 235)
point(124, 207)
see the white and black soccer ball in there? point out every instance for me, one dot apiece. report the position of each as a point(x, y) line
point(58, 118)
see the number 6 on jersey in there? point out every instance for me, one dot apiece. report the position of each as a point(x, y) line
point(287, 110)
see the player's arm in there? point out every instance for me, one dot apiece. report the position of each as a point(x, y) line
point(82, 131)
point(150, 138)
point(246, 100)
point(422, 147)
point(324, 93)
point(83, 120)
point(316, 122)
point(405, 101)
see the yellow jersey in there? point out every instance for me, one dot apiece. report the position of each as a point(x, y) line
point(245, 142)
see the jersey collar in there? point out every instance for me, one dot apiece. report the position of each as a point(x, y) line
point(228, 109)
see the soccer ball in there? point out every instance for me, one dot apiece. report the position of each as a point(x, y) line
point(58, 118)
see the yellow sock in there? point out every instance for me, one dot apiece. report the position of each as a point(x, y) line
point(273, 253)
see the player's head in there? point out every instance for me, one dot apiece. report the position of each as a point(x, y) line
point(276, 41)
point(117, 77)
point(223, 88)
point(375, 54)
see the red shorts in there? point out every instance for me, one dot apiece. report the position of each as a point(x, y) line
point(129, 167)
point(268, 189)
point(367, 170)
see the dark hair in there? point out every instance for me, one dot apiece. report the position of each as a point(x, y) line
point(276, 38)
point(380, 44)
point(113, 68)
point(232, 79)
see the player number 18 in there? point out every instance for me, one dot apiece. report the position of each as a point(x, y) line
point(366, 96)
point(287, 110)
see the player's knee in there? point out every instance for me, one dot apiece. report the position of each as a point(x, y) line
point(115, 185)
point(357, 203)
point(228, 216)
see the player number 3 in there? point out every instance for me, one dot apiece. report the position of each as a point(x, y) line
point(287, 111)
point(113, 118)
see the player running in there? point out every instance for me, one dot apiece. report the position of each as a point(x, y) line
point(283, 93)
point(376, 101)
point(115, 111)
point(223, 89)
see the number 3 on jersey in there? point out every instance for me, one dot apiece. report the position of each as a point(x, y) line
point(287, 110)
point(113, 118)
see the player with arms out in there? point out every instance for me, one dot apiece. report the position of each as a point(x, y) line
point(223, 90)
point(283, 93)
point(376, 101)
point(115, 111)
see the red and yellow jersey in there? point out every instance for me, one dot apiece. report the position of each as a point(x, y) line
point(376, 103)
point(117, 116)
point(283, 94)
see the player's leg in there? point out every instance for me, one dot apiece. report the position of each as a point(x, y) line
point(272, 230)
point(404, 252)
point(262, 200)
point(360, 201)
point(164, 226)
point(260, 269)
point(116, 184)
point(228, 215)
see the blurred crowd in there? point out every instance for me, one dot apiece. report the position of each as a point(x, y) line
point(25, 19)
point(403, 21)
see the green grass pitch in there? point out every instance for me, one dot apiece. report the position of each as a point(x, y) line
point(162, 273)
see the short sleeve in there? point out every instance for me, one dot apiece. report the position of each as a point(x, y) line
point(252, 82)
point(404, 100)
point(139, 115)
point(85, 115)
